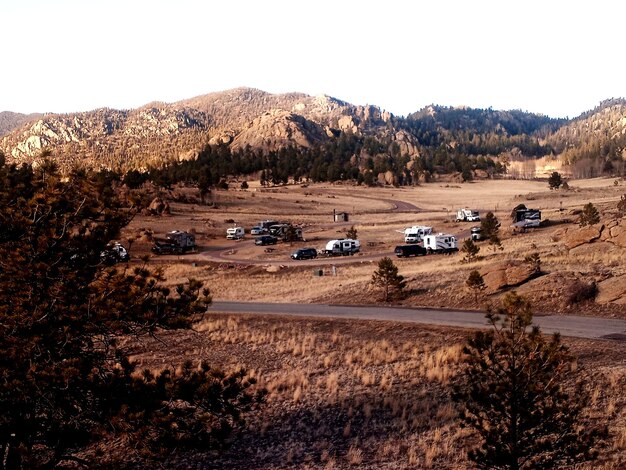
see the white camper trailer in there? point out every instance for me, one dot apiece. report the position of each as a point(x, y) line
point(416, 233)
point(342, 247)
point(440, 243)
point(235, 233)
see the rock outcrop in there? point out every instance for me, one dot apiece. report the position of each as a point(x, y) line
point(506, 274)
point(574, 237)
point(612, 290)
point(612, 232)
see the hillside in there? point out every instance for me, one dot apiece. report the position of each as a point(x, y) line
point(439, 139)
point(10, 120)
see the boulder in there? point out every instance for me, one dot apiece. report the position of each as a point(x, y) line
point(506, 274)
point(159, 207)
point(612, 290)
point(577, 237)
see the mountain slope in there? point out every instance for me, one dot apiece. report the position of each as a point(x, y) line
point(159, 133)
point(10, 121)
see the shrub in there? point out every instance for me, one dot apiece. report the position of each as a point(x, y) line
point(582, 291)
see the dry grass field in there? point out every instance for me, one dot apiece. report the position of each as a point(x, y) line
point(378, 214)
point(357, 394)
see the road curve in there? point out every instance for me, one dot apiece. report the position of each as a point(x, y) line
point(574, 326)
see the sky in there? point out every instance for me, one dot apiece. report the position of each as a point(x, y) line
point(553, 57)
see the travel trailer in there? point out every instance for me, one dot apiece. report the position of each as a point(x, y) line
point(342, 247)
point(235, 233)
point(440, 243)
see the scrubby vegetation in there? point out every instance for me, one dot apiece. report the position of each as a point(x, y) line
point(66, 380)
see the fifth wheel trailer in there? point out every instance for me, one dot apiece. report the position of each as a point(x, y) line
point(440, 243)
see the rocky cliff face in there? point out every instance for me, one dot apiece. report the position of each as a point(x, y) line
point(160, 132)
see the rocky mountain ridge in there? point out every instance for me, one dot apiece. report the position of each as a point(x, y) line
point(158, 133)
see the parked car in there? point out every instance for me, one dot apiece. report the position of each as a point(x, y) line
point(257, 231)
point(265, 240)
point(304, 253)
point(402, 251)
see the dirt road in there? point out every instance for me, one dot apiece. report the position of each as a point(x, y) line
point(575, 326)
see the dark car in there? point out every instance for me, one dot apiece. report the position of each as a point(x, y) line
point(402, 251)
point(304, 253)
point(265, 240)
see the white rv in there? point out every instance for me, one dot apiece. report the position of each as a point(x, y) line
point(235, 233)
point(440, 243)
point(467, 215)
point(416, 233)
point(342, 247)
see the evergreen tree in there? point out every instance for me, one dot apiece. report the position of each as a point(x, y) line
point(520, 393)
point(470, 249)
point(555, 180)
point(386, 277)
point(490, 229)
point(476, 283)
point(352, 233)
point(589, 215)
point(66, 380)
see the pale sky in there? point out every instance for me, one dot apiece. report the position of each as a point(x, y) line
point(554, 57)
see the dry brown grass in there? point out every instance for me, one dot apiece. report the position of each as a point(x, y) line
point(433, 280)
point(345, 394)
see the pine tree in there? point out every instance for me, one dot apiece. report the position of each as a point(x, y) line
point(470, 249)
point(555, 180)
point(386, 277)
point(476, 283)
point(520, 393)
point(352, 233)
point(589, 215)
point(490, 229)
point(65, 378)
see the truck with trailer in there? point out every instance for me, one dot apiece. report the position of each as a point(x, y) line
point(175, 242)
point(440, 243)
point(467, 215)
point(416, 233)
point(342, 247)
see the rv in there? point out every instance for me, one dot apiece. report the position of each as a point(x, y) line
point(416, 233)
point(235, 233)
point(176, 242)
point(467, 215)
point(342, 247)
point(440, 243)
point(286, 232)
point(524, 218)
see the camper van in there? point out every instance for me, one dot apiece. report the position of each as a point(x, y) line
point(440, 243)
point(416, 233)
point(235, 233)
